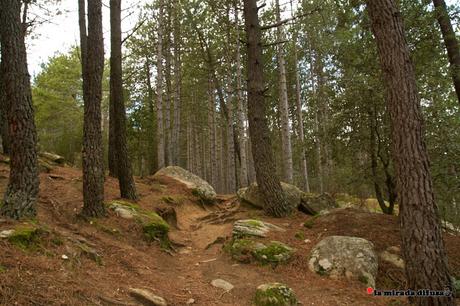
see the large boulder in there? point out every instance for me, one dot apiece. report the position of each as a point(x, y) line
point(342, 256)
point(315, 203)
point(252, 195)
point(246, 251)
point(52, 158)
point(196, 184)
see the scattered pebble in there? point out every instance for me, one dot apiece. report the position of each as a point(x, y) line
point(65, 257)
point(307, 241)
point(222, 284)
point(190, 301)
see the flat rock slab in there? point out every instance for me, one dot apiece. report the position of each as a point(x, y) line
point(146, 297)
point(196, 184)
point(250, 227)
point(222, 284)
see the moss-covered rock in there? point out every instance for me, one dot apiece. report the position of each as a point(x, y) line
point(274, 294)
point(25, 236)
point(248, 250)
point(313, 204)
point(154, 227)
point(252, 195)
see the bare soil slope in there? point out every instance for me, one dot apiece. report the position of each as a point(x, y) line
point(95, 263)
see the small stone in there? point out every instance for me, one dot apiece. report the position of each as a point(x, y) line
point(146, 297)
point(65, 257)
point(190, 301)
point(307, 241)
point(6, 233)
point(222, 284)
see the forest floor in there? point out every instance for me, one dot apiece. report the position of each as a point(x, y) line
point(54, 273)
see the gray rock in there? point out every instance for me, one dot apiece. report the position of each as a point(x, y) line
point(252, 196)
point(250, 227)
point(52, 158)
point(317, 203)
point(222, 284)
point(196, 184)
point(274, 294)
point(146, 297)
point(342, 256)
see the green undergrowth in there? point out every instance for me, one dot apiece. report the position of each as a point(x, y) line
point(27, 237)
point(247, 250)
point(311, 222)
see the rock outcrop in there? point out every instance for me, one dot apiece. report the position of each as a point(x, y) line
point(342, 256)
point(252, 196)
point(196, 184)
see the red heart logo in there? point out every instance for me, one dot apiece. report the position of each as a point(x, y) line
point(370, 290)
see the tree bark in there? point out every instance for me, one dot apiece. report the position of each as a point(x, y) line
point(422, 242)
point(124, 170)
point(3, 116)
point(112, 150)
point(450, 40)
point(152, 167)
point(241, 110)
point(288, 171)
point(268, 181)
point(177, 83)
point(168, 82)
point(92, 68)
point(160, 125)
point(23, 185)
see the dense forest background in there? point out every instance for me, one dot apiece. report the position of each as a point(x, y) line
point(333, 82)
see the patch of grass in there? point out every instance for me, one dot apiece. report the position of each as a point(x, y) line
point(3, 269)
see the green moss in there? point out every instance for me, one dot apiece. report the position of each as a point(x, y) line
point(300, 235)
point(2, 269)
point(155, 229)
point(124, 204)
point(91, 254)
point(310, 222)
point(363, 279)
point(456, 283)
point(57, 241)
point(175, 200)
point(274, 295)
point(274, 253)
point(255, 223)
point(26, 237)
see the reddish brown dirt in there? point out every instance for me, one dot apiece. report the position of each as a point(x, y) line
point(42, 277)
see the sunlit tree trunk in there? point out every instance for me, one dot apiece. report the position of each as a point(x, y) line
point(288, 171)
point(160, 125)
point(422, 242)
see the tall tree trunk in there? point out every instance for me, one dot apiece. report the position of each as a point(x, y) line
point(124, 170)
point(22, 191)
point(177, 82)
point(303, 153)
point(160, 126)
point(422, 242)
point(268, 181)
point(112, 150)
point(288, 171)
point(168, 81)
point(450, 40)
point(212, 134)
point(151, 127)
point(241, 110)
point(92, 68)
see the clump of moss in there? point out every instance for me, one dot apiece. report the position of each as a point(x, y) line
point(300, 235)
point(2, 269)
point(174, 200)
point(275, 294)
point(26, 237)
point(363, 279)
point(274, 253)
point(155, 229)
point(311, 222)
point(247, 250)
point(123, 204)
